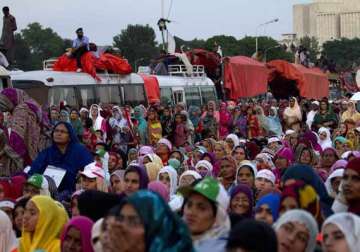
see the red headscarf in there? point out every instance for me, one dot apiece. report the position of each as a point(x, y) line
point(354, 207)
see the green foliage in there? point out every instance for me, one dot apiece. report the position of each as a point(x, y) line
point(192, 44)
point(312, 44)
point(229, 44)
point(137, 42)
point(345, 52)
point(35, 44)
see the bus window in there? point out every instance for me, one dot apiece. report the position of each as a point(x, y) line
point(58, 94)
point(208, 94)
point(192, 96)
point(87, 96)
point(165, 96)
point(108, 94)
point(134, 95)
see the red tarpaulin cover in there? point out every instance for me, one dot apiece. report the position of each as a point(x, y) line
point(316, 83)
point(209, 60)
point(90, 64)
point(244, 77)
point(311, 82)
point(152, 88)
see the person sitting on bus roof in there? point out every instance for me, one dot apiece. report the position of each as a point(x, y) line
point(79, 47)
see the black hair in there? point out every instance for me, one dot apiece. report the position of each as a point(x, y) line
point(6, 9)
point(21, 203)
point(88, 123)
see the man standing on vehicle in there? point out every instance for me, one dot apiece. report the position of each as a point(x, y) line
point(79, 47)
point(7, 42)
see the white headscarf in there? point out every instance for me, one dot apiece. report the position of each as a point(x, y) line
point(206, 164)
point(95, 234)
point(248, 164)
point(294, 111)
point(327, 142)
point(305, 218)
point(234, 138)
point(334, 174)
point(195, 174)
point(118, 122)
point(173, 178)
point(8, 240)
point(99, 119)
point(349, 224)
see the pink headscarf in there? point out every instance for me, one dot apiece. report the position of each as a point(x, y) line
point(84, 225)
point(161, 189)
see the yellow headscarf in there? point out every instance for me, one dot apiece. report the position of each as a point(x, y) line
point(154, 166)
point(52, 218)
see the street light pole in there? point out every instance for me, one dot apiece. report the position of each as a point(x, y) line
point(257, 35)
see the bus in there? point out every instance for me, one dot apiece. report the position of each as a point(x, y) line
point(4, 78)
point(50, 87)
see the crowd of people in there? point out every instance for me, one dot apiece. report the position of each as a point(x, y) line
point(254, 175)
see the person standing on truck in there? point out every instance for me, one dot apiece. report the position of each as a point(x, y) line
point(79, 47)
point(7, 41)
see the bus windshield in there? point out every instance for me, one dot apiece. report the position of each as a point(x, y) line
point(134, 95)
point(59, 94)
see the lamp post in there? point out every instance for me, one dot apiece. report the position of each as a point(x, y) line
point(257, 28)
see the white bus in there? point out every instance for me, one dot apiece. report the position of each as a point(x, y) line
point(50, 87)
point(4, 78)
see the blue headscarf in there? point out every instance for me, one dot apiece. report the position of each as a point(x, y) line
point(164, 230)
point(73, 160)
point(142, 124)
point(273, 201)
point(274, 122)
point(308, 175)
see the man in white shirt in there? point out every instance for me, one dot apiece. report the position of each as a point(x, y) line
point(79, 47)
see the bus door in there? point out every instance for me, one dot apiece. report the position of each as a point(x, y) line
point(178, 94)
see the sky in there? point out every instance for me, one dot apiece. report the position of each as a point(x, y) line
point(103, 19)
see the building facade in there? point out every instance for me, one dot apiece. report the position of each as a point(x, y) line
point(327, 19)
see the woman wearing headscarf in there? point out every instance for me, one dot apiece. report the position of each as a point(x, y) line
point(8, 242)
point(210, 225)
point(194, 116)
point(292, 115)
point(263, 121)
point(353, 138)
point(267, 208)
point(208, 126)
point(225, 121)
point(246, 173)
point(282, 160)
point(325, 117)
point(240, 121)
point(341, 232)
point(168, 176)
point(44, 219)
point(305, 155)
point(28, 124)
point(351, 186)
point(232, 141)
point(324, 138)
point(141, 124)
point(188, 177)
point(76, 122)
point(135, 179)
point(227, 172)
point(11, 187)
point(296, 231)
point(64, 116)
point(274, 123)
point(308, 175)
point(253, 124)
point(300, 196)
point(155, 228)
point(76, 236)
point(153, 166)
point(328, 157)
point(332, 183)
point(351, 113)
point(241, 201)
point(99, 122)
point(204, 168)
point(66, 153)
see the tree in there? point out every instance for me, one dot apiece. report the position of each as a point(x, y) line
point(43, 43)
point(312, 44)
point(269, 47)
point(137, 42)
point(191, 44)
point(228, 44)
point(22, 53)
point(344, 52)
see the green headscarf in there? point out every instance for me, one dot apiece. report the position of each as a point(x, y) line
point(164, 230)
